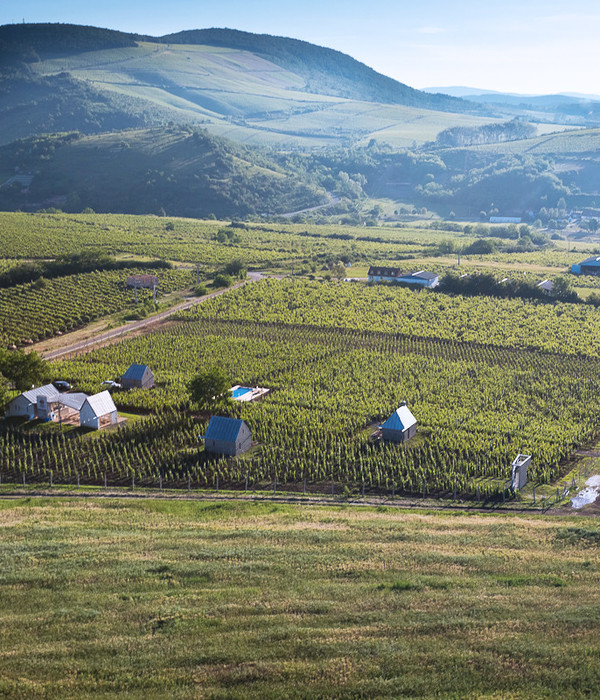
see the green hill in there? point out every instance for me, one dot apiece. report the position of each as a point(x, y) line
point(255, 89)
point(178, 171)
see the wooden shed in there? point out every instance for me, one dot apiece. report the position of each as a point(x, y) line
point(227, 436)
point(98, 411)
point(138, 377)
point(400, 426)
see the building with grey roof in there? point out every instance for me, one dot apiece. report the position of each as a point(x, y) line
point(227, 436)
point(421, 278)
point(138, 377)
point(400, 426)
point(98, 411)
point(25, 405)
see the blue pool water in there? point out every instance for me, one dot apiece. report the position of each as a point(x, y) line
point(240, 391)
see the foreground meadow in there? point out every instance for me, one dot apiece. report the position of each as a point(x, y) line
point(183, 600)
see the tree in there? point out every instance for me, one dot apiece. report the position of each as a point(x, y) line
point(338, 270)
point(563, 289)
point(210, 389)
point(24, 370)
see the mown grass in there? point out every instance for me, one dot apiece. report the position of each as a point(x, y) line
point(160, 599)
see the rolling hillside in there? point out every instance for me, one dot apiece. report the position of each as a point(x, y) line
point(251, 88)
point(179, 171)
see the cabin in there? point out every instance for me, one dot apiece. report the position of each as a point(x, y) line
point(227, 436)
point(421, 278)
point(138, 377)
point(25, 405)
point(400, 426)
point(589, 266)
point(98, 411)
point(546, 285)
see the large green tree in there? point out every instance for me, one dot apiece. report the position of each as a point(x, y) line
point(210, 389)
point(24, 370)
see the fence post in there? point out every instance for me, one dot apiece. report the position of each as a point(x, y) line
point(332, 487)
point(217, 483)
point(77, 479)
point(478, 496)
point(50, 479)
point(503, 495)
point(363, 489)
point(132, 481)
point(393, 490)
point(190, 482)
point(423, 490)
point(534, 495)
point(105, 484)
point(275, 484)
point(160, 482)
point(454, 492)
point(24, 479)
point(304, 487)
point(246, 489)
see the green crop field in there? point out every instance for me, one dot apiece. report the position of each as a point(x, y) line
point(485, 378)
point(160, 599)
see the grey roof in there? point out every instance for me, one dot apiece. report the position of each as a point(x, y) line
point(75, 400)
point(48, 390)
point(385, 271)
point(135, 372)
point(401, 419)
point(594, 260)
point(101, 403)
point(421, 274)
point(223, 429)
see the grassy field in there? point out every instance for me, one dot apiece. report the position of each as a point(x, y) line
point(187, 600)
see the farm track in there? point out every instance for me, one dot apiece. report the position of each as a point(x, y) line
point(84, 345)
point(318, 501)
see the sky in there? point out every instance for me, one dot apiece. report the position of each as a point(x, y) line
point(521, 46)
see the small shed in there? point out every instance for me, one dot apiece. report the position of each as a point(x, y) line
point(519, 471)
point(25, 405)
point(400, 426)
point(98, 411)
point(227, 436)
point(138, 377)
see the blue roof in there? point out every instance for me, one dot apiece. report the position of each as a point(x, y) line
point(224, 429)
point(401, 419)
point(135, 372)
point(594, 260)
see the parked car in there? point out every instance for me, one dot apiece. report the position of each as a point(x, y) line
point(61, 385)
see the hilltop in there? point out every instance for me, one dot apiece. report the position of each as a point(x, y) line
point(253, 88)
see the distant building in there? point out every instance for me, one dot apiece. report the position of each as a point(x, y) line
point(98, 411)
point(227, 436)
point(546, 285)
point(505, 219)
point(589, 266)
point(142, 281)
point(138, 377)
point(400, 426)
point(25, 405)
point(421, 278)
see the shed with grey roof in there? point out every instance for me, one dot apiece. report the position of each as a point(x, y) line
point(400, 426)
point(589, 266)
point(98, 411)
point(227, 436)
point(25, 405)
point(138, 377)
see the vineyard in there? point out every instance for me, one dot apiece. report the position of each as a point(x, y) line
point(477, 404)
point(38, 310)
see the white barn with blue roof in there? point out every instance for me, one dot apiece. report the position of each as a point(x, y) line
point(227, 436)
point(400, 426)
point(138, 377)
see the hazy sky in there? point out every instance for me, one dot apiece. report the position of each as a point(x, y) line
point(526, 46)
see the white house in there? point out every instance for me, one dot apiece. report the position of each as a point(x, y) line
point(25, 405)
point(98, 411)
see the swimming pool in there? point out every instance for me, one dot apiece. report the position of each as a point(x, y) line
point(240, 391)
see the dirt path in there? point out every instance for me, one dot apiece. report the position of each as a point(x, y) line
point(286, 499)
point(144, 323)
